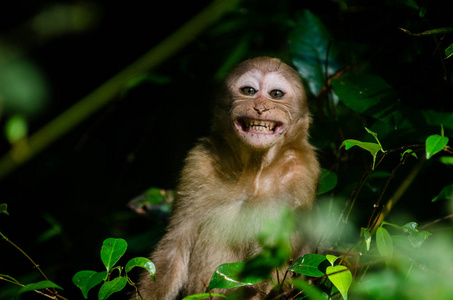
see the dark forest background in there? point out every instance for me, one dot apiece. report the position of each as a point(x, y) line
point(66, 199)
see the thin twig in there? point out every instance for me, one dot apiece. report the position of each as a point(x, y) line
point(26, 255)
point(436, 221)
point(398, 194)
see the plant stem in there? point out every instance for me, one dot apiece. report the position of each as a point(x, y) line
point(55, 129)
point(398, 194)
point(25, 254)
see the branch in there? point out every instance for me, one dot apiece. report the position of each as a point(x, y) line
point(27, 149)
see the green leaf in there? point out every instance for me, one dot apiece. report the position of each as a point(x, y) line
point(10, 278)
point(203, 296)
point(408, 152)
point(313, 265)
point(374, 134)
point(434, 144)
point(228, 276)
point(55, 230)
point(309, 46)
point(384, 242)
point(341, 278)
point(110, 287)
point(437, 118)
point(111, 251)
point(141, 262)
point(331, 259)
point(373, 148)
point(448, 160)
point(416, 237)
point(45, 284)
point(390, 224)
point(449, 51)
point(446, 193)
point(327, 181)
point(86, 280)
point(4, 209)
point(16, 128)
point(236, 54)
point(311, 291)
point(410, 227)
point(367, 236)
point(369, 95)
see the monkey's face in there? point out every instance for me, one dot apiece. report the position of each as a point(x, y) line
point(264, 104)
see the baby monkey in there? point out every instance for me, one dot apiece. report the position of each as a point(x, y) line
point(256, 163)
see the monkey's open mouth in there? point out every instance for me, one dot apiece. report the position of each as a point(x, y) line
point(259, 126)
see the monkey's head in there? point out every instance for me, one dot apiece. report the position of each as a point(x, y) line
point(265, 102)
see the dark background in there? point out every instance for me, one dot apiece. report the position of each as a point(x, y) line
point(81, 184)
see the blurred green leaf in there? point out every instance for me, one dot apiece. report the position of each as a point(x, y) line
point(10, 278)
point(416, 237)
point(228, 276)
point(4, 209)
point(384, 242)
point(341, 278)
point(407, 3)
point(437, 118)
point(237, 54)
point(449, 51)
point(110, 287)
point(16, 128)
point(446, 193)
point(112, 250)
point(367, 237)
point(23, 89)
point(276, 250)
point(434, 144)
point(55, 230)
point(203, 296)
point(147, 78)
point(312, 292)
point(448, 160)
point(309, 46)
point(45, 284)
point(369, 95)
point(327, 181)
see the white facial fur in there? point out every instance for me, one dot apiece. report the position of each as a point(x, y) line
point(264, 83)
point(261, 119)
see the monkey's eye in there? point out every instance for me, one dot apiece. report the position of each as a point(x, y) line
point(248, 90)
point(276, 94)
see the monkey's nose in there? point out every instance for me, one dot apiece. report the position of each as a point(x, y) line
point(260, 109)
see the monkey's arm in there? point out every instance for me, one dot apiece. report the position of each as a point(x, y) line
point(172, 255)
point(171, 258)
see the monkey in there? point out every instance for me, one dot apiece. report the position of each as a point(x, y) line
point(256, 162)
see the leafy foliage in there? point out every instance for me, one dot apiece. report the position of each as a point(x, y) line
point(384, 66)
point(111, 251)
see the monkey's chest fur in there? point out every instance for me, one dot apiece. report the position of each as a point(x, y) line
point(231, 204)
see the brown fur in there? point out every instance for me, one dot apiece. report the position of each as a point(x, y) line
point(229, 188)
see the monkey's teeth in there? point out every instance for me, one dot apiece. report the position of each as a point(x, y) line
point(260, 125)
